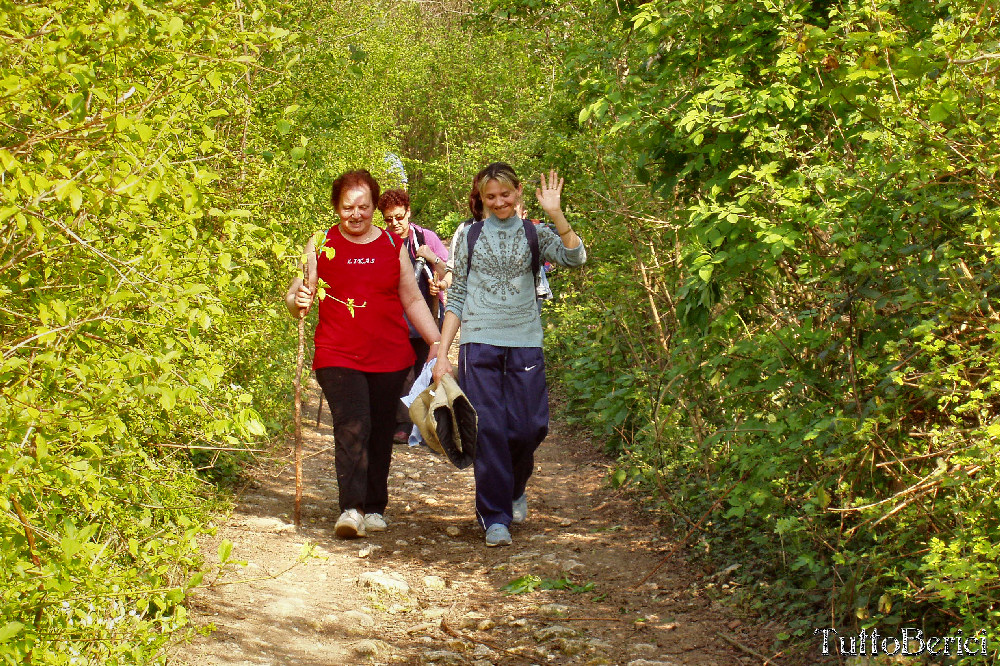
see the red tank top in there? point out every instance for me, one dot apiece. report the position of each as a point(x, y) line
point(361, 322)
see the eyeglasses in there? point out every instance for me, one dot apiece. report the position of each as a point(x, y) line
point(390, 219)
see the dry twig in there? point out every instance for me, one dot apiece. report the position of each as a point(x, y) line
point(735, 643)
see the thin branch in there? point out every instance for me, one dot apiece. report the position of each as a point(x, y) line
point(735, 643)
point(28, 532)
point(209, 448)
point(978, 58)
point(10, 352)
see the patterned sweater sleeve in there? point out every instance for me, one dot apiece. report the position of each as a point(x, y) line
point(552, 249)
point(460, 273)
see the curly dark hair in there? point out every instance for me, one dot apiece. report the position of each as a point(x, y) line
point(393, 198)
point(358, 178)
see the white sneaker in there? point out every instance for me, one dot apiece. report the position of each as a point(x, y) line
point(350, 525)
point(375, 522)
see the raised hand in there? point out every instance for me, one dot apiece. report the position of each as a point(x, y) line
point(550, 193)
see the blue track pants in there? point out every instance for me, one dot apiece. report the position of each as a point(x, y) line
point(507, 387)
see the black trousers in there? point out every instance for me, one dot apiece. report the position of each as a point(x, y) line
point(363, 406)
point(420, 348)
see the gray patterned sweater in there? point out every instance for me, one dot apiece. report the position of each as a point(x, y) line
point(495, 301)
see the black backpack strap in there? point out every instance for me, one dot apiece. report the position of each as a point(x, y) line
point(532, 235)
point(419, 233)
point(472, 236)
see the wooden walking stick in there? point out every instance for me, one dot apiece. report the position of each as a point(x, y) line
point(298, 403)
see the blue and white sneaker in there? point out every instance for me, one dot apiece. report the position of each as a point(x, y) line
point(521, 508)
point(498, 535)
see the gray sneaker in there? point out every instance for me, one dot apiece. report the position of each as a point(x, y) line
point(521, 508)
point(375, 522)
point(350, 525)
point(498, 535)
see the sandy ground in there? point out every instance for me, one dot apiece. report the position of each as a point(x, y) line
point(429, 591)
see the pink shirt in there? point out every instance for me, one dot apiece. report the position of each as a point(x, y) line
point(432, 241)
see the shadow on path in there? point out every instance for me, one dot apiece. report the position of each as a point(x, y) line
point(283, 608)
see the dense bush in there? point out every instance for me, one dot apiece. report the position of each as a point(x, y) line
point(160, 168)
point(129, 267)
point(815, 254)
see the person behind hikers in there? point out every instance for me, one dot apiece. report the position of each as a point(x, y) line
point(476, 209)
point(427, 258)
point(500, 367)
point(420, 244)
point(362, 353)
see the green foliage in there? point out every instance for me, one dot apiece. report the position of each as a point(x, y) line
point(797, 333)
point(446, 227)
point(160, 169)
point(130, 273)
point(530, 582)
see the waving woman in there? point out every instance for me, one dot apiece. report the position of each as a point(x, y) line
point(500, 367)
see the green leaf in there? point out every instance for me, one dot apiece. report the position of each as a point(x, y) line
point(522, 585)
point(168, 399)
point(153, 190)
point(175, 25)
point(75, 199)
point(70, 547)
point(939, 112)
point(10, 630)
point(195, 580)
point(225, 550)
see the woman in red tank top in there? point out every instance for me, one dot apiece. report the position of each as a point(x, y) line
point(363, 350)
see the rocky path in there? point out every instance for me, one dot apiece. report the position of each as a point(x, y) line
point(428, 591)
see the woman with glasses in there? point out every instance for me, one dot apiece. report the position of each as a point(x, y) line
point(362, 356)
point(428, 257)
point(427, 253)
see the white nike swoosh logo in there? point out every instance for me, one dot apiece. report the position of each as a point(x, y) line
point(528, 369)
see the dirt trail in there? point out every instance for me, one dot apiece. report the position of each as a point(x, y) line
point(428, 591)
